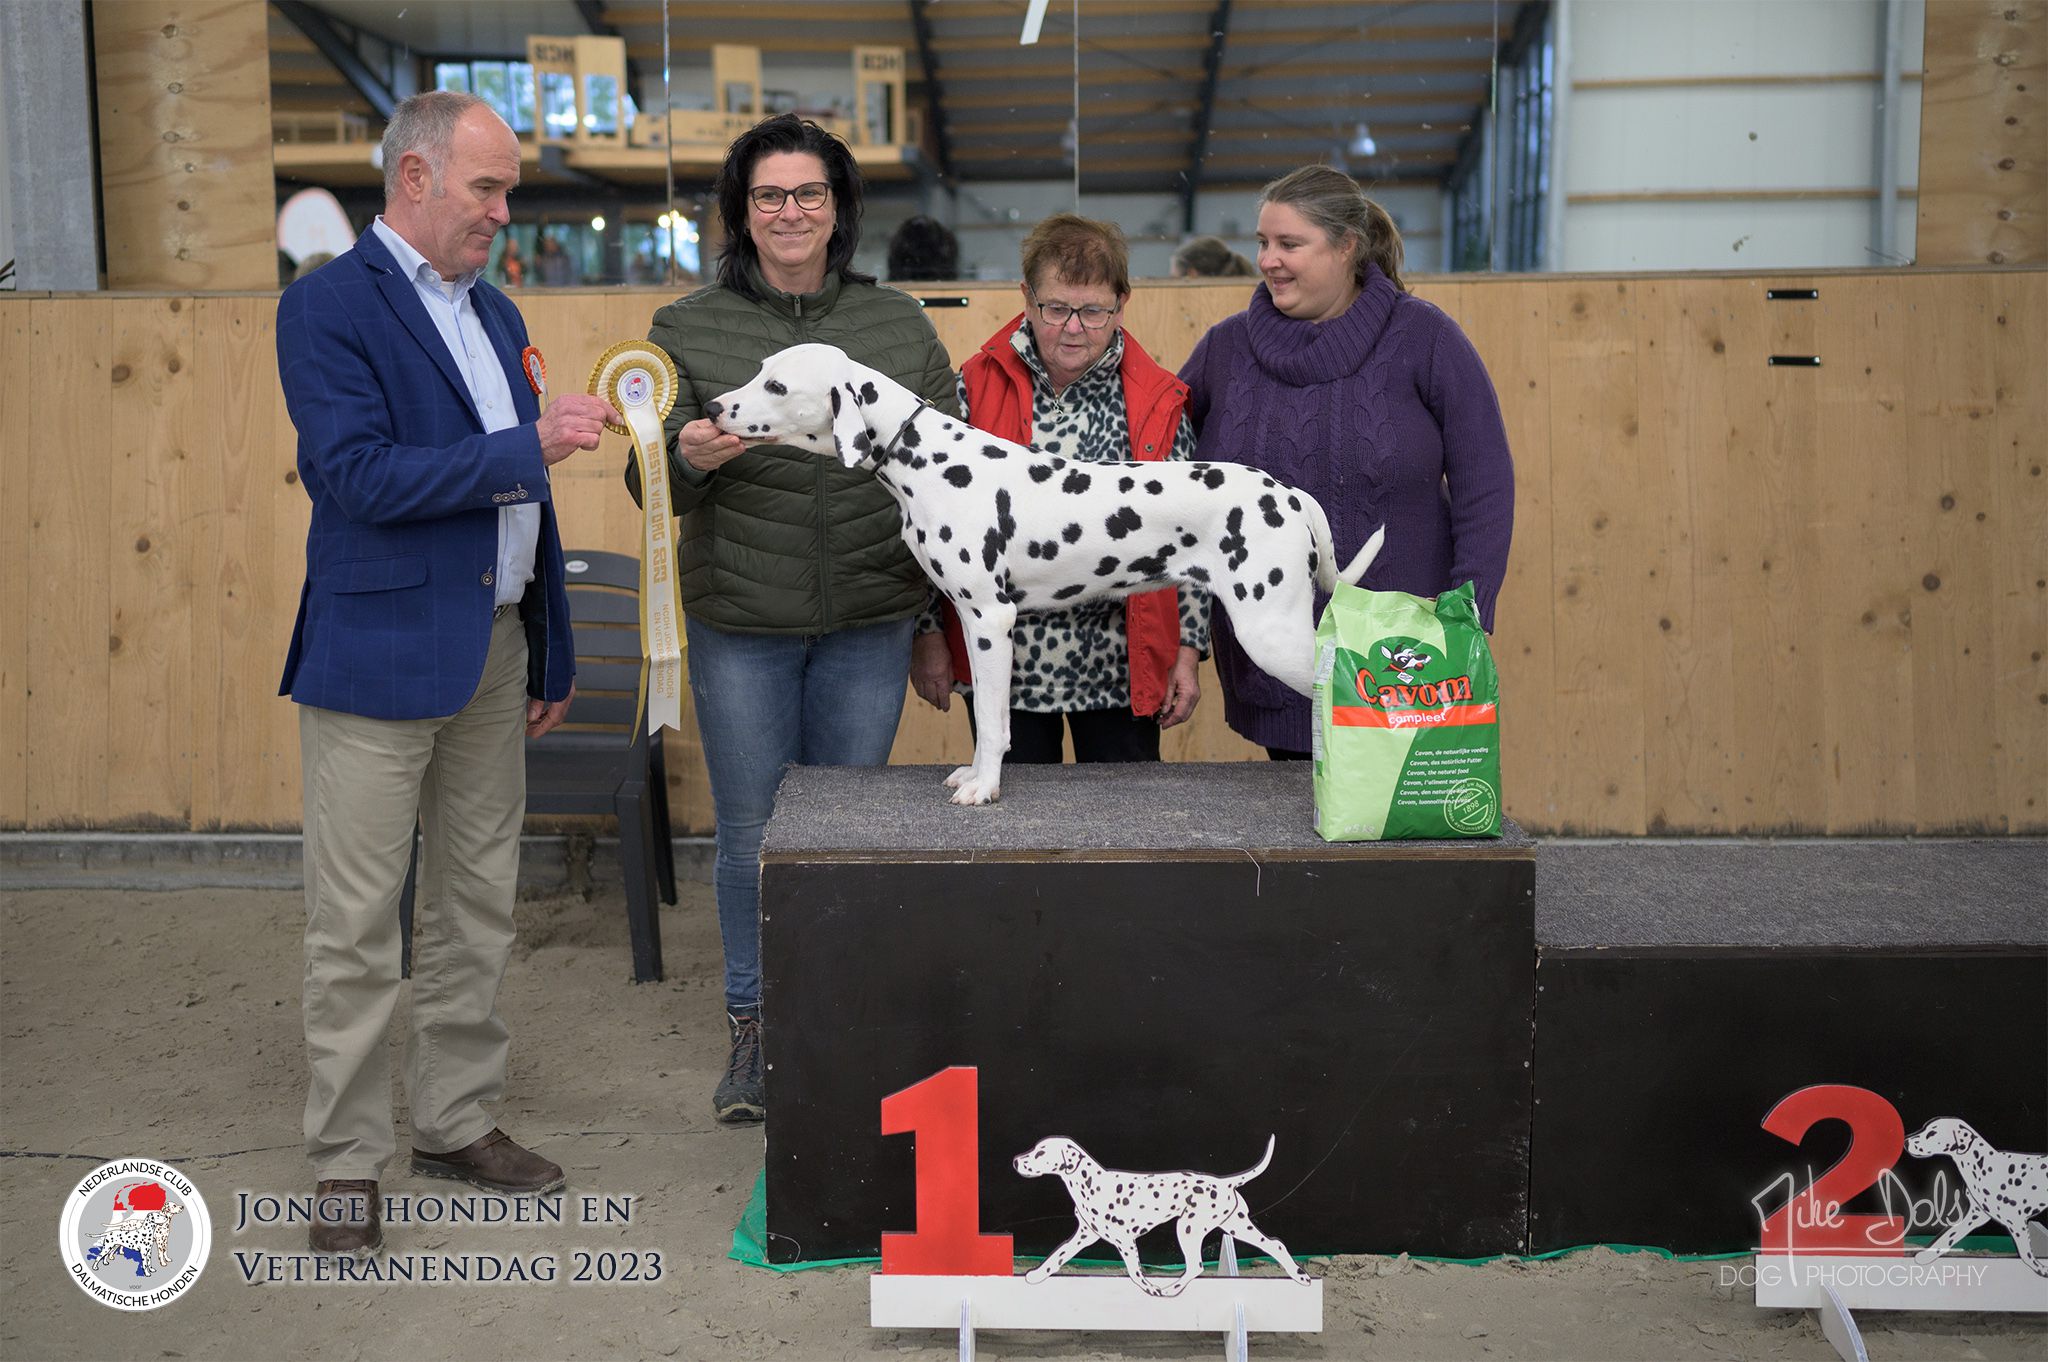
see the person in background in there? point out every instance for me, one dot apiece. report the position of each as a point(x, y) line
point(432, 640)
point(923, 248)
point(1065, 376)
point(552, 266)
point(1340, 382)
point(511, 265)
point(1201, 257)
point(799, 593)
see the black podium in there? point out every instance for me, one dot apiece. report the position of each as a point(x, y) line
point(1164, 964)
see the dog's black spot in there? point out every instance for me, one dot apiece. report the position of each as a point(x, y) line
point(1213, 478)
point(938, 456)
point(1154, 566)
point(1196, 573)
point(911, 439)
point(1294, 503)
point(975, 612)
point(772, 386)
point(995, 451)
point(867, 393)
point(966, 557)
point(1076, 483)
point(1005, 522)
point(914, 460)
point(1107, 566)
point(832, 393)
point(1071, 534)
point(959, 475)
point(1258, 591)
point(1048, 549)
point(1126, 484)
point(1067, 593)
point(980, 643)
point(1187, 541)
point(1238, 587)
point(1276, 576)
point(1232, 543)
point(1272, 511)
point(1123, 522)
point(945, 534)
point(1267, 482)
point(938, 568)
point(1040, 472)
point(920, 536)
point(958, 434)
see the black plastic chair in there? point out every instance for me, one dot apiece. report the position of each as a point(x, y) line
point(601, 759)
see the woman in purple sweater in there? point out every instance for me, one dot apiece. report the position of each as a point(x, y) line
point(1339, 381)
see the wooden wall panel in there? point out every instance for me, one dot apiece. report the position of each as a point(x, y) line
point(1950, 426)
point(1658, 676)
point(1865, 578)
point(2018, 512)
point(17, 455)
point(1597, 534)
point(184, 122)
point(1510, 327)
point(1687, 391)
point(246, 588)
point(152, 539)
point(1984, 134)
point(68, 535)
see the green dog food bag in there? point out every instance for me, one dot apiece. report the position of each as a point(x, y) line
point(1407, 732)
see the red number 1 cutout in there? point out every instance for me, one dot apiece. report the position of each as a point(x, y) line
point(943, 1112)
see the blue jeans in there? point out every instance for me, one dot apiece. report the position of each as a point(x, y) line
point(764, 701)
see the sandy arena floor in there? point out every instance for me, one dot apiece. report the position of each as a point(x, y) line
point(166, 1025)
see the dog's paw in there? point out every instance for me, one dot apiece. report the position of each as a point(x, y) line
point(1926, 1255)
point(960, 773)
point(1037, 1274)
point(1174, 1287)
point(973, 791)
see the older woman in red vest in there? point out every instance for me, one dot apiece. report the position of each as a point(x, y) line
point(1066, 377)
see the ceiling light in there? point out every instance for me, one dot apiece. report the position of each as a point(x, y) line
point(597, 223)
point(1362, 143)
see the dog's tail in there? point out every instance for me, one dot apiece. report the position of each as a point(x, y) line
point(1327, 575)
point(1240, 1179)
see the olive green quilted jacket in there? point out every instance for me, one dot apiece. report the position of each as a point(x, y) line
point(780, 540)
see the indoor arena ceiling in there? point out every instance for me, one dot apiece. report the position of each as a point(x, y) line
point(1232, 91)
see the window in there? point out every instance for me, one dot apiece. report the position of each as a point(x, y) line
point(1500, 187)
point(507, 86)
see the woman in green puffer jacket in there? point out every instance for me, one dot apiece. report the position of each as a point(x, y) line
point(799, 594)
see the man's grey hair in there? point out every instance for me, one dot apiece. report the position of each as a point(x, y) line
point(424, 123)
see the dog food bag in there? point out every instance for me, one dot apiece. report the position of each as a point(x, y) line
point(1407, 733)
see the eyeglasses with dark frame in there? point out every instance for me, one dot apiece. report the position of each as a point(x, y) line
point(1093, 316)
point(769, 198)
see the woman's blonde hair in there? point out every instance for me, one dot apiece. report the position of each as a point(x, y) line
point(1334, 203)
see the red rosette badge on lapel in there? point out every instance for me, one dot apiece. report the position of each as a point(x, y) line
point(536, 370)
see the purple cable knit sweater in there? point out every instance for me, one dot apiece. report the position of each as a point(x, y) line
point(1385, 415)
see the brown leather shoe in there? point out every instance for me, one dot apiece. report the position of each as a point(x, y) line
point(346, 1218)
point(493, 1163)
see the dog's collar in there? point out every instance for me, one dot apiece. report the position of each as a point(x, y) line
point(891, 442)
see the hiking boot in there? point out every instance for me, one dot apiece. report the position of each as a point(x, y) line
point(740, 1099)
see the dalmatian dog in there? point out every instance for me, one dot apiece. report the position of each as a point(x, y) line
point(1406, 662)
point(1119, 1207)
point(2011, 1189)
point(1000, 527)
point(149, 1234)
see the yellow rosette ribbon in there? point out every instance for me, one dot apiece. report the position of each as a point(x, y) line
point(640, 380)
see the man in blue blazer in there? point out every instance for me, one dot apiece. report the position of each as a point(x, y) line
point(432, 638)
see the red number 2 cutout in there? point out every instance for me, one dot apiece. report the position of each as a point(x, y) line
point(1811, 1220)
point(943, 1112)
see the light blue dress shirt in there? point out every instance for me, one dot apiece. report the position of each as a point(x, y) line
point(449, 304)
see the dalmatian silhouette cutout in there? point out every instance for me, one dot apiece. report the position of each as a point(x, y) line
point(1117, 1207)
point(2010, 1189)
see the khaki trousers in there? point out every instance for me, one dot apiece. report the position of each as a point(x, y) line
point(364, 778)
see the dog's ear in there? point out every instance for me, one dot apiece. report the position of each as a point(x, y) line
point(850, 425)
